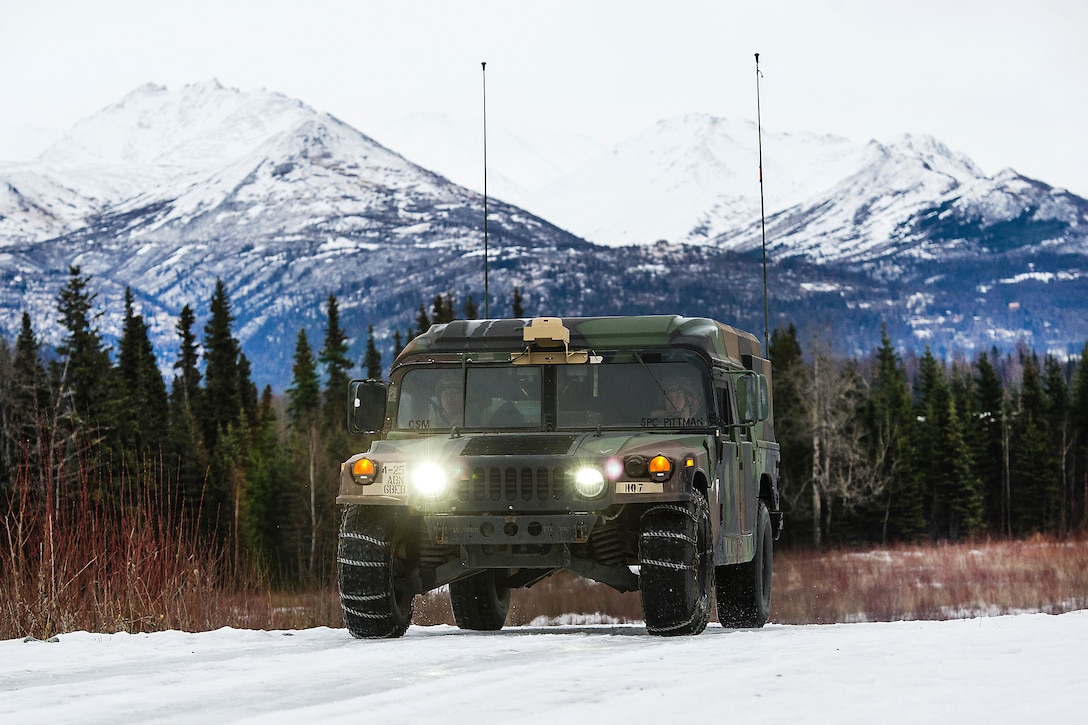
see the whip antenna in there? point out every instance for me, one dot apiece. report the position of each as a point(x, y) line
point(762, 219)
point(487, 294)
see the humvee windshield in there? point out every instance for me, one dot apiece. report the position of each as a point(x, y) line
point(624, 390)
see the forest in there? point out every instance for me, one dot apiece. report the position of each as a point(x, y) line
point(889, 448)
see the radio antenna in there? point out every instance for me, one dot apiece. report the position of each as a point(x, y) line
point(762, 219)
point(487, 294)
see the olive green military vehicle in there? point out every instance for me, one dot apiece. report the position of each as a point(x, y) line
point(635, 451)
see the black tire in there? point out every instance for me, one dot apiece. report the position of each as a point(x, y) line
point(374, 607)
point(479, 602)
point(676, 563)
point(744, 590)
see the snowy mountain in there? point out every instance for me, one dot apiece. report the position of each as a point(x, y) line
point(167, 190)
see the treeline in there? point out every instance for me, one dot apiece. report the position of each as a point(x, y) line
point(251, 473)
point(874, 450)
point(884, 449)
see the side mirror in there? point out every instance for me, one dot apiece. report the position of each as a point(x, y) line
point(753, 398)
point(366, 406)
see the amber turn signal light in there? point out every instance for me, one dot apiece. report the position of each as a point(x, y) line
point(660, 468)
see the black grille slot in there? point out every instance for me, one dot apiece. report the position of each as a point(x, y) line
point(534, 487)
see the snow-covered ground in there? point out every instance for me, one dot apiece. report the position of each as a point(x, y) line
point(1014, 669)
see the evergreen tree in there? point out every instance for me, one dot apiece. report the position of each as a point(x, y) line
point(334, 356)
point(304, 407)
point(247, 390)
point(989, 442)
point(222, 394)
point(790, 427)
point(31, 407)
point(1033, 469)
point(472, 312)
point(961, 490)
point(423, 323)
point(372, 359)
point(141, 394)
point(225, 417)
point(890, 416)
point(84, 364)
point(187, 380)
point(8, 435)
point(1080, 464)
point(442, 310)
point(1059, 416)
point(188, 456)
point(518, 308)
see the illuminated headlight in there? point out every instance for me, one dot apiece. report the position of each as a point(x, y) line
point(589, 482)
point(429, 480)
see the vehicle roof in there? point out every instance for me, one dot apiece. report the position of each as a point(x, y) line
point(715, 339)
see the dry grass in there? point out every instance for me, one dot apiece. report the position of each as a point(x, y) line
point(944, 581)
point(82, 565)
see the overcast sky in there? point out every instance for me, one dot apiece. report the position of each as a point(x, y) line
point(1004, 81)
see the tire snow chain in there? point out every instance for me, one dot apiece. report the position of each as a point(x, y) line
point(363, 537)
point(669, 565)
point(367, 598)
point(671, 507)
point(364, 564)
point(668, 535)
point(365, 615)
point(672, 627)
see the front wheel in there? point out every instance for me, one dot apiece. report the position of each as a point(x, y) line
point(479, 602)
point(675, 566)
point(375, 606)
point(744, 590)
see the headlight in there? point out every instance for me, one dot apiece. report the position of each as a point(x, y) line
point(429, 480)
point(589, 482)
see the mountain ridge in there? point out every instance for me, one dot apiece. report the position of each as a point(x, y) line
point(288, 205)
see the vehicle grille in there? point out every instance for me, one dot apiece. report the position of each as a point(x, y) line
point(514, 486)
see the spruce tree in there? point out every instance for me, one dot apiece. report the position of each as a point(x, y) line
point(790, 427)
point(472, 312)
point(517, 305)
point(141, 393)
point(334, 356)
point(423, 323)
point(1033, 469)
point(304, 407)
point(890, 416)
point(84, 364)
point(989, 442)
point(188, 459)
point(224, 421)
point(372, 358)
point(1059, 416)
point(1080, 464)
point(222, 394)
point(31, 405)
point(187, 379)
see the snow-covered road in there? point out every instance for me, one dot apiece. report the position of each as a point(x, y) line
point(1016, 669)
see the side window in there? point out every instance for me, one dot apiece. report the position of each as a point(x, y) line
point(725, 406)
point(729, 411)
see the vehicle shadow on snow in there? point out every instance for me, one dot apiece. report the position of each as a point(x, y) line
point(599, 630)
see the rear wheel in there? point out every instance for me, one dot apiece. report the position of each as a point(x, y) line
point(676, 563)
point(744, 590)
point(479, 602)
point(374, 604)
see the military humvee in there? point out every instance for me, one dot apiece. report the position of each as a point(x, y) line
point(635, 451)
